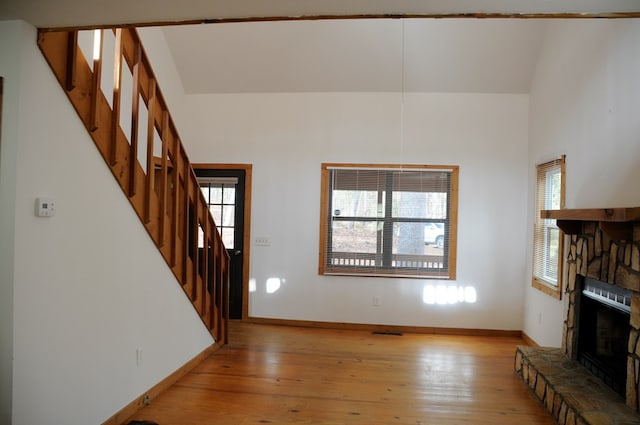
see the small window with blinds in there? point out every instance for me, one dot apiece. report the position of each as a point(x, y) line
point(547, 237)
point(389, 220)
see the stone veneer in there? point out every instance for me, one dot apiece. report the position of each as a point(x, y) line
point(567, 390)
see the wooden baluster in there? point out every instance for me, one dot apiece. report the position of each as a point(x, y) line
point(72, 55)
point(225, 299)
point(95, 80)
point(204, 260)
point(164, 178)
point(211, 287)
point(176, 191)
point(210, 279)
point(196, 239)
point(151, 168)
point(117, 83)
point(135, 112)
point(221, 287)
point(186, 212)
point(202, 268)
point(214, 289)
point(195, 234)
point(217, 286)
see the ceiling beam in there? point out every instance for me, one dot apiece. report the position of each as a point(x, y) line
point(620, 15)
point(112, 13)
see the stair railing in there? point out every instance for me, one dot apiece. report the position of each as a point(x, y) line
point(137, 137)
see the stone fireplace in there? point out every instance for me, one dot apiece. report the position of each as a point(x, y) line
point(595, 254)
point(602, 268)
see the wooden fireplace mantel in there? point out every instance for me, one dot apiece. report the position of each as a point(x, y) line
point(615, 222)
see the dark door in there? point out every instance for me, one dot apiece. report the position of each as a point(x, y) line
point(224, 190)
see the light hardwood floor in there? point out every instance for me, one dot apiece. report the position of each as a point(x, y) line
point(281, 375)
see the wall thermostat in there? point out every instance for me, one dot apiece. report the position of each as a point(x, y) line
point(45, 207)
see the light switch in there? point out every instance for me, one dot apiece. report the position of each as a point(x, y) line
point(263, 241)
point(45, 207)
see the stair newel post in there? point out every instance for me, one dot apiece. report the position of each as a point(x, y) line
point(117, 83)
point(135, 113)
point(95, 80)
point(151, 118)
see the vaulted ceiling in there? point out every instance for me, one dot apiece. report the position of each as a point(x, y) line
point(427, 55)
point(496, 55)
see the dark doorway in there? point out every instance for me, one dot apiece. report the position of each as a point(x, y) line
point(225, 191)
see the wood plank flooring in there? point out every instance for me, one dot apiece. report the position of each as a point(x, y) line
point(284, 375)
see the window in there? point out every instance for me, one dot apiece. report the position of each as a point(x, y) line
point(547, 238)
point(220, 195)
point(388, 220)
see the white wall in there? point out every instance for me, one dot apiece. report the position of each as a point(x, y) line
point(89, 287)
point(585, 100)
point(9, 69)
point(287, 136)
point(164, 68)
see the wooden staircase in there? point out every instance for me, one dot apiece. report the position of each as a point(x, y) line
point(137, 138)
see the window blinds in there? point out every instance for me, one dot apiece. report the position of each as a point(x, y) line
point(547, 238)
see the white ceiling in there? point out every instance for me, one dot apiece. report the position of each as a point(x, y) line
point(427, 55)
point(435, 55)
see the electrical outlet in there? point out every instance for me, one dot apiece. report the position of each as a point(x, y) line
point(376, 301)
point(138, 357)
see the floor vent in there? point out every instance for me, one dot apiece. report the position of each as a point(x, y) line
point(387, 333)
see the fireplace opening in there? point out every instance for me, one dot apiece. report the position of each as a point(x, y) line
point(603, 332)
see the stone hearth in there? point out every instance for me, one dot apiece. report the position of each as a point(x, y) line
point(568, 391)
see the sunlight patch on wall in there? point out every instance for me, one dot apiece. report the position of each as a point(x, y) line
point(448, 294)
point(273, 284)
